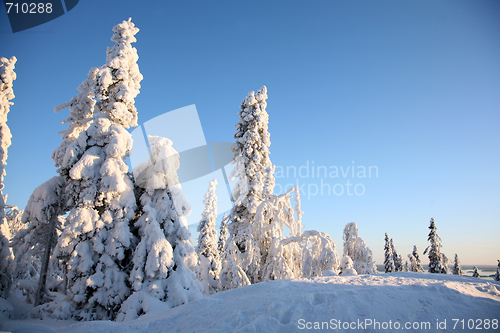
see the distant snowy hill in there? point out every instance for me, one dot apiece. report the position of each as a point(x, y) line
point(415, 301)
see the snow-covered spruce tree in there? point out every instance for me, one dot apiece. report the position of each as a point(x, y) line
point(406, 266)
point(398, 264)
point(207, 243)
point(7, 76)
point(475, 273)
point(97, 237)
point(161, 277)
point(251, 155)
point(418, 261)
point(222, 235)
point(35, 243)
point(402, 268)
point(457, 268)
point(436, 264)
point(355, 248)
point(497, 274)
point(389, 256)
point(446, 269)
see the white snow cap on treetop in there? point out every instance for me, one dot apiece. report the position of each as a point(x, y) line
point(124, 32)
point(160, 170)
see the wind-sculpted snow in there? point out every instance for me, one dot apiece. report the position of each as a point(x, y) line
point(286, 305)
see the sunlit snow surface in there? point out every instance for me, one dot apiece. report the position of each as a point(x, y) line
point(279, 305)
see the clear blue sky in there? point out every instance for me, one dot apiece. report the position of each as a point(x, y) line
point(411, 87)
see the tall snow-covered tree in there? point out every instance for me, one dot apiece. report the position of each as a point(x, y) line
point(160, 270)
point(475, 272)
point(207, 243)
point(7, 76)
point(389, 256)
point(457, 268)
point(222, 235)
point(259, 217)
point(497, 274)
point(436, 259)
point(398, 264)
point(97, 237)
point(41, 215)
point(253, 168)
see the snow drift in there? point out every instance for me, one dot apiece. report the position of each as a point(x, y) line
point(289, 305)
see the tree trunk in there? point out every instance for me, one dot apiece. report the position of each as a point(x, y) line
point(45, 262)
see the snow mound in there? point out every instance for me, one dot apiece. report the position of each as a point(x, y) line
point(279, 306)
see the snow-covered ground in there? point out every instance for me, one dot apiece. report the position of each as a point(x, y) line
point(407, 299)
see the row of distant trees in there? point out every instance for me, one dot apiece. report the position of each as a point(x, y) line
point(438, 261)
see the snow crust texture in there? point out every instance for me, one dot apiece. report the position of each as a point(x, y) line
point(278, 306)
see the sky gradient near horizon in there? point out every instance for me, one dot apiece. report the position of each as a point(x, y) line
point(411, 89)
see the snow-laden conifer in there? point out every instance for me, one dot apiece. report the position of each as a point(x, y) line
point(161, 260)
point(457, 268)
point(7, 76)
point(497, 274)
point(436, 259)
point(207, 243)
point(406, 266)
point(475, 272)
point(356, 249)
point(418, 261)
point(349, 237)
point(97, 237)
point(388, 256)
point(255, 181)
point(398, 264)
point(362, 258)
point(35, 243)
point(272, 217)
point(232, 275)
